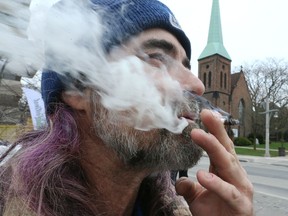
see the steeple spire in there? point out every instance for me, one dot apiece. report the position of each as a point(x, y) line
point(215, 40)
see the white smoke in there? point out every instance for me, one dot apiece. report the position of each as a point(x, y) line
point(21, 56)
point(72, 37)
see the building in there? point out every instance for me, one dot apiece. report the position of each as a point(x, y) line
point(225, 90)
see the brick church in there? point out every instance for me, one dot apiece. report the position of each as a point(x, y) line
point(224, 89)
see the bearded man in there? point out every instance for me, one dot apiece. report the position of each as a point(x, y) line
point(93, 159)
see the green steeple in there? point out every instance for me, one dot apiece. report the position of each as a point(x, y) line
point(215, 40)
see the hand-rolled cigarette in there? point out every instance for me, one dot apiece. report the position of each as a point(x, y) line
point(203, 103)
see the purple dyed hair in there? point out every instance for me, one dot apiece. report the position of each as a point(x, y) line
point(48, 176)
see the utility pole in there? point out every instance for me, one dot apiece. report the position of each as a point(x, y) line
point(267, 125)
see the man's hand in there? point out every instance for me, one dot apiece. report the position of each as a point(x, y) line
point(225, 189)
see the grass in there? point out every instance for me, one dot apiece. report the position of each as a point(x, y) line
point(260, 149)
point(252, 152)
point(274, 145)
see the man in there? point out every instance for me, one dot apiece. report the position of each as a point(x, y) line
point(89, 161)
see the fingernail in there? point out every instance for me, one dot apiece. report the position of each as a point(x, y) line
point(208, 175)
point(181, 180)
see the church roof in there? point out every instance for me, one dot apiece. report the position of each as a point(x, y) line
point(235, 78)
point(215, 40)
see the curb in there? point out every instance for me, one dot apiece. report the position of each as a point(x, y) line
point(275, 161)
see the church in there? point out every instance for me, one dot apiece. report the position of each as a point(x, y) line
point(226, 90)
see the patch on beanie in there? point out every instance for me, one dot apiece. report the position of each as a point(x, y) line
point(174, 22)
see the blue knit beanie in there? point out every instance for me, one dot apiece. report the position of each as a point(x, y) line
point(122, 19)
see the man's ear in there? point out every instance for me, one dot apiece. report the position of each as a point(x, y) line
point(77, 100)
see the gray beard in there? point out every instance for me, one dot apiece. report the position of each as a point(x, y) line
point(160, 151)
point(169, 153)
point(156, 149)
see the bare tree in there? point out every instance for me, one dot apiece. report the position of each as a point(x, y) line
point(268, 78)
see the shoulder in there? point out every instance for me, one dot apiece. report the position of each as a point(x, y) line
point(179, 205)
point(182, 207)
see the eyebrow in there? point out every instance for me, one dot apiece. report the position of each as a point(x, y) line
point(166, 46)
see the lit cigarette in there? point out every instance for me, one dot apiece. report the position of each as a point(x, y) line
point(203, 103)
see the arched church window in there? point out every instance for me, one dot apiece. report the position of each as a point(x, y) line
point(209, 79)
point(204, 79)
point(241, 111)
point(225, 80)
point(221, 79)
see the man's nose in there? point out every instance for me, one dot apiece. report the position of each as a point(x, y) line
point(190, 82)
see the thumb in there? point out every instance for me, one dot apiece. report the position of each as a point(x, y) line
point(188, 189)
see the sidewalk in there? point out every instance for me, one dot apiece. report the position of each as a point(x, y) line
point(277, 161)
point(267, 204)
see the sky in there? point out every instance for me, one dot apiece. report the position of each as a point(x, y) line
point(252, 29)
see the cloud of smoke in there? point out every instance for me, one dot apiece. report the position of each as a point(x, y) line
point(71, 37)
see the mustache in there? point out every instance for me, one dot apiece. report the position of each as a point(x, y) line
point(189, 107)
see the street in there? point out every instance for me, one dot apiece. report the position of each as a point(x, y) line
point(270, 184)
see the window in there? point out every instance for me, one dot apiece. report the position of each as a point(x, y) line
point(241, 110)
point(209, 79)
point(221, 79)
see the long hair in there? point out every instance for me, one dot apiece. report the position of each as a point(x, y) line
point(47, 175)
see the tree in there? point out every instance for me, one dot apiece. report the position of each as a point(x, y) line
point(268, 78)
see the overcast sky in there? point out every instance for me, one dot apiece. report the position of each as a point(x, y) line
point(252, 29)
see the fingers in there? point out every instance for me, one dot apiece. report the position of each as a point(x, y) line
point(209, 182)
point(215, 150)
point(223, 163)
point(217, 144)
point(213, 183)
point(213, 196)
point(215, 126)
point(188, 189)
point(227, 192)
point(228, 181)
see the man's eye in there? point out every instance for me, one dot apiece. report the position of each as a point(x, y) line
point(156, 59)
point(157, 56)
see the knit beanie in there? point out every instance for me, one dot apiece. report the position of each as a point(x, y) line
point(122, 20)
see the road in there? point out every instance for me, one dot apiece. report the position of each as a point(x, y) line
point(270, 185)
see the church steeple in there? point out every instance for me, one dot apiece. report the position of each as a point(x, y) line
point(215, 40)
